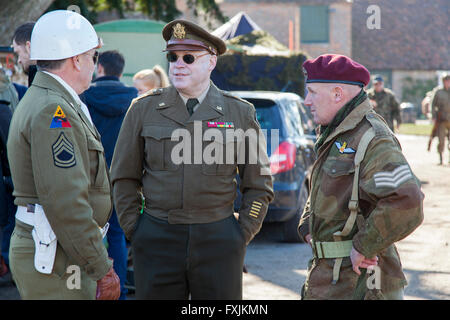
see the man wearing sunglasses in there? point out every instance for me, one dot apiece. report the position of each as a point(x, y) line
point(59, 171)
point(186, 239)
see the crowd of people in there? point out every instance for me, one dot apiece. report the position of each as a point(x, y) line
point(86, 167)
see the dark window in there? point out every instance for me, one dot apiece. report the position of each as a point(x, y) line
point(314, 26)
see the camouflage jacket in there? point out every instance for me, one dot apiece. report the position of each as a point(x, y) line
point(441, 104)
point(390, 201)
point(387, 106)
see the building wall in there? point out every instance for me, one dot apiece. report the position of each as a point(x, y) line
point(340, 22)
point(398, 77)
point(274, 18)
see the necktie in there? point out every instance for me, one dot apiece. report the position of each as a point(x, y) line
point(190, 104)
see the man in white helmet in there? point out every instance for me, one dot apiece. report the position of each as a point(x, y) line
point(59, 171)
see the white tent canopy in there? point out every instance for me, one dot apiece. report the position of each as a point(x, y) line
point(238, 25)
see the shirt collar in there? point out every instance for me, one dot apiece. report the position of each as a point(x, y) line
point(200, 98)
point(66, 86)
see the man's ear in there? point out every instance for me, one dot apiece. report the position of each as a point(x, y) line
point(27, 47)
point(212, 62)
point(100, 69)
point(76, 62)
point(338, 94)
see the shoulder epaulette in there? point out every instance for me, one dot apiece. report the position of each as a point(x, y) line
point(153, 92)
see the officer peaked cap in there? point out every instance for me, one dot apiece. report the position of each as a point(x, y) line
point(187, 36)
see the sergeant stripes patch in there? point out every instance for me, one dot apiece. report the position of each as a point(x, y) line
point(393, 178)
point(63, 152)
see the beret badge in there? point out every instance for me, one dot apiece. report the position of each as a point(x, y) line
point(178, 31)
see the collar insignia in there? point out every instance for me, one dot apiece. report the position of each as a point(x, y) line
point(343, 148)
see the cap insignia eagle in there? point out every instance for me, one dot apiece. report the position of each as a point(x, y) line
point(178, 31)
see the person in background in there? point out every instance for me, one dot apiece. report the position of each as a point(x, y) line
point(21, 45)
point(385, 103)
point(149, 79)
point(108, 100)
point(7, 208)
point(440, 106)
point(9, 100)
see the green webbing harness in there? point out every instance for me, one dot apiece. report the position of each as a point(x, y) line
point(352, 205)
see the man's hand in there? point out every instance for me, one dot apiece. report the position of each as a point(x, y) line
point(359, 261)
point(108, 287)
point(308, 239)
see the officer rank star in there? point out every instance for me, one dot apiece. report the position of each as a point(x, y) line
point(63, 152)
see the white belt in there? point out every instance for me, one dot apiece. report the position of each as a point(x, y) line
point(44, 238)
point(24, 216)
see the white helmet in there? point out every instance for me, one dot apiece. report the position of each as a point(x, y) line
point(62, 34)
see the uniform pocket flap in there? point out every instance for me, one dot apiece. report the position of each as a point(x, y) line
point(157, 132)
point(95, 145)
point(339, 167)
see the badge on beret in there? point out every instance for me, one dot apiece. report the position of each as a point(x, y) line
point(343, 148)
point(63, 152)
point(178, 31)
point(59, 119)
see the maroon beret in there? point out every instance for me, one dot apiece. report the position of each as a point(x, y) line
point(335, 68)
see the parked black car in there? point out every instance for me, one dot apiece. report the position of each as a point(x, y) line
point(291, 157)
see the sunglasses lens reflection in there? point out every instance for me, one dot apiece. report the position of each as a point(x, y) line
point(187, 58)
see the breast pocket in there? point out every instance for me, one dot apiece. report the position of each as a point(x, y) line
point(158, 148)
point(335, 188)
point(336, 167)
point(220, 154)
point(97, 163)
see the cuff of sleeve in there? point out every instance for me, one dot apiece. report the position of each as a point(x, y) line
point(368, 247)
point(98, 268)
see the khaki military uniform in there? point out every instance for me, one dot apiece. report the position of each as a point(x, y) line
point(390, 207)
point(187, 198)
point(57, 161)
point(387, 106)
point(441, 112)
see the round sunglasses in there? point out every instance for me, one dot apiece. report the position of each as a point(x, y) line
point(187, 58)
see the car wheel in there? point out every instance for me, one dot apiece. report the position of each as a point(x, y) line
point(290, 227)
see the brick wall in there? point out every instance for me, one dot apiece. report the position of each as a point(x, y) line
point(274, 18)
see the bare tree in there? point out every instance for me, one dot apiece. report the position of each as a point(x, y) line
point(14, 13)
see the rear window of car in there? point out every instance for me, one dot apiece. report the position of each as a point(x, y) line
point(267, 113)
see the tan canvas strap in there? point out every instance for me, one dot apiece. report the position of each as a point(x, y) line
point(331, 249)
point(353, 204)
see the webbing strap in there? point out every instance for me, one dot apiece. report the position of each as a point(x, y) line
point(353, 203)
point(328, 250)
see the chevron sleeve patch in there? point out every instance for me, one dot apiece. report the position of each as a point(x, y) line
point(392, 179)
point(63, 152)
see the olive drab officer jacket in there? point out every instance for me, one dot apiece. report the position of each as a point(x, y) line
point(186, 193)
point(57, 161)
point(390, 201)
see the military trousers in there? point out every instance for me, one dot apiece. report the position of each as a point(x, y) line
point(182, 261)
point(443, 130)
point(63, 283)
